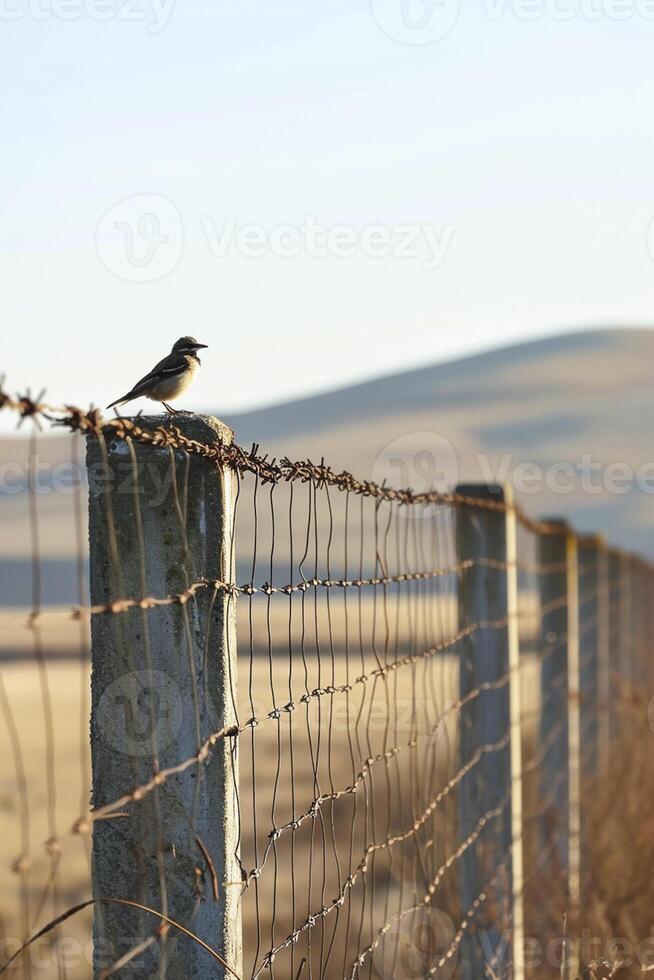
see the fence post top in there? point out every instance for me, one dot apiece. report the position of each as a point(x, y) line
point(201, 428)
point(501, 493)
point(592, 541)
point(559, 522)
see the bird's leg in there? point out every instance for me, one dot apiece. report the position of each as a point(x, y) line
point(175, 411)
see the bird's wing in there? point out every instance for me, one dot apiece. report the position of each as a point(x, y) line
point(168, 367)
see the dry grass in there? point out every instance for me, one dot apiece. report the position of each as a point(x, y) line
point(615, 928)
point(619, 865)
point(65, 680)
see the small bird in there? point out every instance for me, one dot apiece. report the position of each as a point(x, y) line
point(170, 377)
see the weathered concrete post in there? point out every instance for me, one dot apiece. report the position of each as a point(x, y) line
point(490, 732)
point(560, 717)
point(593, 654)
point(604, 661)
point(626, 665)
point(649, 627)
point(591, 620)
point(574, 749)
point(164, 680)
point(554, 776)
point(620, 654)
point(642, 604)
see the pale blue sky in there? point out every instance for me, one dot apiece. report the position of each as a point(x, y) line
point(525, 146)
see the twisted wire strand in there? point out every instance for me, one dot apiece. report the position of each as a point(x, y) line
point(267, 470)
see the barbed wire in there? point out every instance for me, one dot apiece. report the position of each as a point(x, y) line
point(266, 470)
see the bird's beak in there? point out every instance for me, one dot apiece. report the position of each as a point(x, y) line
point(201, 346)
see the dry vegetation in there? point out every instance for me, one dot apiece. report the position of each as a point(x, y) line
point(615, 930)
point(619, 865)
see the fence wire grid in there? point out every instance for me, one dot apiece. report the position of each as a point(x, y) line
point(409, 794)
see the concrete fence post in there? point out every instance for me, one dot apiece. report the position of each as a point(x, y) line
point(560, 716)
point(554, 697)
point(490, 732)
point(164, 680)
point(646, 624)
point(619, 655)
point(603, 660)
point(627, 656)
point(649, 628)
point(574, 750)
point(591, 626)
point(638, 613)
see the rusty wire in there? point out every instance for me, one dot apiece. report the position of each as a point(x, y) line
point(243, 461)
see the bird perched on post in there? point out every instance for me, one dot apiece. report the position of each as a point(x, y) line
point(169, 378)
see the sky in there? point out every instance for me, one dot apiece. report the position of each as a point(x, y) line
point(320, 192)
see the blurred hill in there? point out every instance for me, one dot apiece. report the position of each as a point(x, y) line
point(568, 405)
point(584, 400)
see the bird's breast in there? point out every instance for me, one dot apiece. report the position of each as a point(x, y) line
point(167, 389)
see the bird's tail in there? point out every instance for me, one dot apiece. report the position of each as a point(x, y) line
point(121, 401)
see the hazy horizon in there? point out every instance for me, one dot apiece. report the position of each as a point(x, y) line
point(7, 425)
point(467, 355)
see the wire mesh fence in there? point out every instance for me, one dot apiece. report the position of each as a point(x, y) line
point(387, 781)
